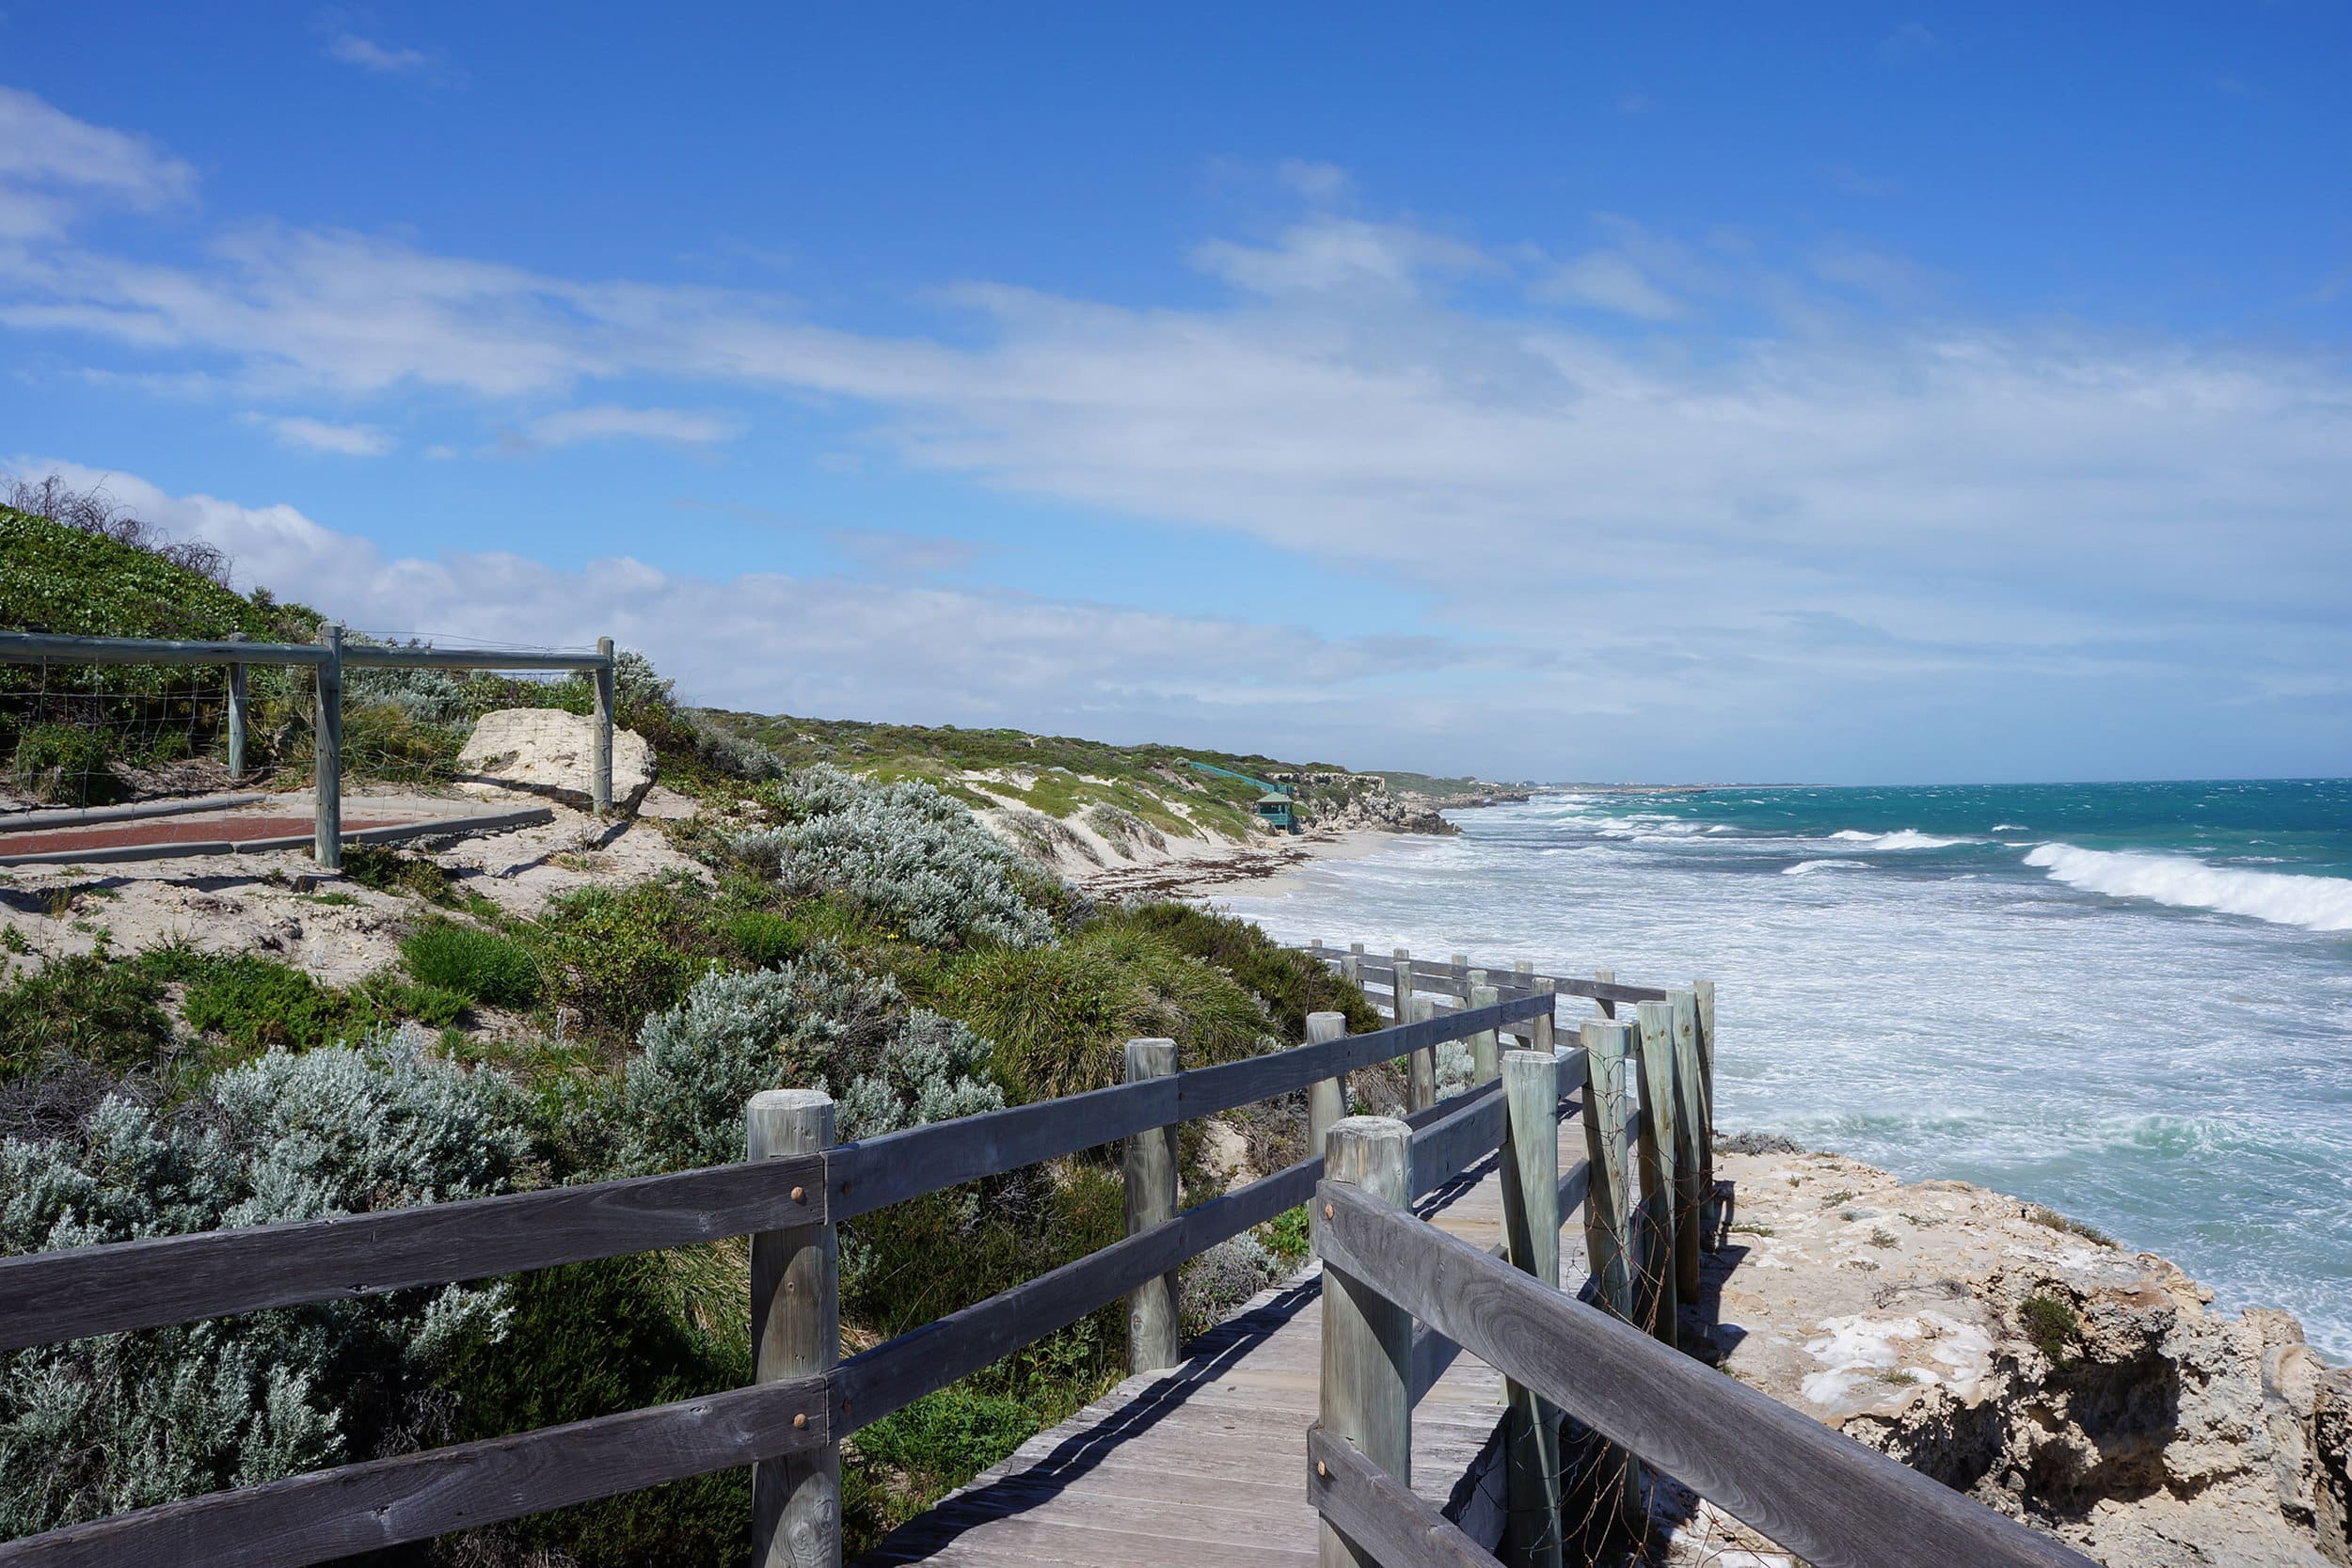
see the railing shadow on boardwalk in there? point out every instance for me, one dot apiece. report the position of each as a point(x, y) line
point(1008, 1496)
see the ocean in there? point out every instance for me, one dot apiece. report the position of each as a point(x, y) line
point(2131, 1003)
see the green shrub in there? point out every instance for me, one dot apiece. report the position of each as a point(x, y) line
point(1290, 984)
point(480, 966)
point(763, 937)
point(388, 998)
point(597, 1338)
point(1059, 1015)
point(64, 763)
point(104, 1012)
point(617, 955)
point(2051, 1323)
point(386, 870)
point(946, 1438)
point(261, 1004)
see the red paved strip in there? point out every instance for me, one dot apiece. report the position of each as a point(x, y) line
point(237, 829)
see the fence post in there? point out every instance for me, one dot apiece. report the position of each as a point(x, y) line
point(1530, 1232)
point(1608, 1206)
point(600, 781)
point(1542, 1023)
point(1606, 978)
point(1690, 1142)
point(1420, 1066)
point(1352, 965)
point(1401, 985)
point(796, 1333)
point(1367, 1394)
point(1486, 1047)
point(1659, 1304)
point(1702, 991)
point(1327, 1097)
point(1152, 1307)
point(236, 713)
point(326, 750)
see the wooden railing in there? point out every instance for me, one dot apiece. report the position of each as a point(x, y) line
point(1391, 1281)
point(789, 1198)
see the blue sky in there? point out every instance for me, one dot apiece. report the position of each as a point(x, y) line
point(1834, 392)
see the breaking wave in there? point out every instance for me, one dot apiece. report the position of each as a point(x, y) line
point(2314, 903)
point(1901, 838)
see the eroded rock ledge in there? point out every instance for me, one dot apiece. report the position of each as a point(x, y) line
point(2089, 1390)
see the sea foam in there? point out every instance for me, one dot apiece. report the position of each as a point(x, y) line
point(2314, 903)
point(1901, 838)
point(1804, 868)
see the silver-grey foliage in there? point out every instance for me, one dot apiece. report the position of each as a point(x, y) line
point(903, 850)
point(811, 1022)
point(124, 1420)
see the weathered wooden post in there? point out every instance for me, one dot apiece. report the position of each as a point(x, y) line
point(326, 751)
point(1659, 1303)
point(1609, 1207)
point(1327, 1097)
point(1400, 984)
point(600, 781)
point(1690, 1138)
point(1367, 1394)
point(1703, 991)
point(796, 1333)
point(1486, 1046)
point(1531, 1234)
point(1606, 978)
point(236, 713)
point(1422, 1063)
point(1524, 978)
point(1352, 965)
point(1542, 1023)
point(1152, 1307)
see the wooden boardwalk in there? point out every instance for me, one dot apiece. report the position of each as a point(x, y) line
point(1206, 1464)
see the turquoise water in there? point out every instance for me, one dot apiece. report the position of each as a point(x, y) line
point(2130, 1002)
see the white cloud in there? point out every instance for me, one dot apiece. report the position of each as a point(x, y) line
point(367, 54)
point(51, 165)
point(348, 440)
point(608, 422)
point(1612, 281)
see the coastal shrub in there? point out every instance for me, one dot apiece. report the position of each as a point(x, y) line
point(64, 764)
point(2051, 1323)
point(260, 1003)
point(947, 1437)
point(2044, 1215)
point(1045, 839)
point(480, 966)
point(86, 1009)
point(597, 1338)
point(914, 857)
point(763, 937)
point(617, 955)
point(1123, 828)
point(386, 870)
point(810, 1022)
point(1221, 1279)
point(1059, 1015)
point(122, 1421)
point(730, 754)
point(1290, 984)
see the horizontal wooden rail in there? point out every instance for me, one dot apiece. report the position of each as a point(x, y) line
point(1427, 973)
point(1812, 1490)
point(25, 647)
point(50, 1296)
point(896, 1166)
point(378, 655)
point(1379, 1512)
point(386, 1502)
point(923, 1360)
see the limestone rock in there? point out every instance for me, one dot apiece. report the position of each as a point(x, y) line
point(543, 750)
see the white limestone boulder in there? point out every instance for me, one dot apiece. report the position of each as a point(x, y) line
point(546, 751)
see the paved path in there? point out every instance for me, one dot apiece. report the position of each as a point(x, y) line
point(1206, 1465)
